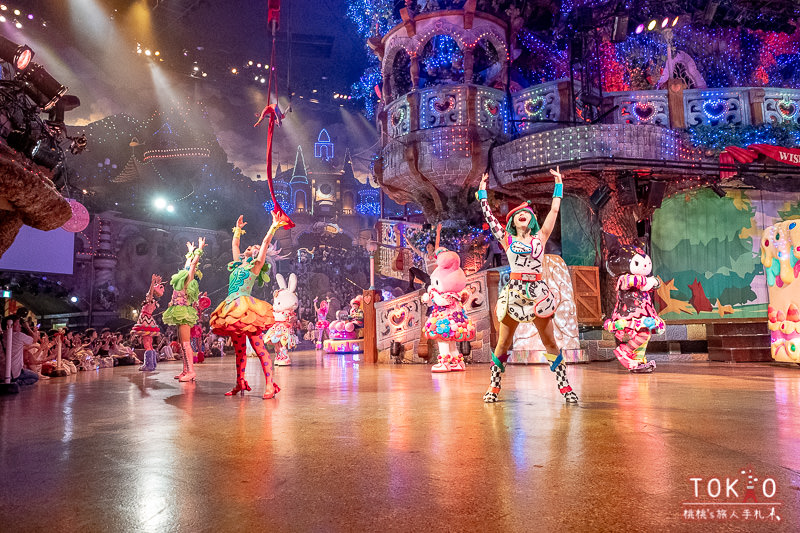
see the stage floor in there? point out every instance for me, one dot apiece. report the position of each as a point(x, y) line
point(354, 447)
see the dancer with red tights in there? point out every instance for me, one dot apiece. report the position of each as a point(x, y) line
point(243, 317)
point(146, 326)
point(181, 311)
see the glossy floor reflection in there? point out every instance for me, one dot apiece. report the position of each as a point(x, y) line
point(349, 447)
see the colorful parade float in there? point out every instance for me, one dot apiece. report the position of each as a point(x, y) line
point(674, 123)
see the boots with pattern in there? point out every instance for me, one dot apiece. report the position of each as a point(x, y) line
point(188, 362)
point(497, 368)
point(563, 384)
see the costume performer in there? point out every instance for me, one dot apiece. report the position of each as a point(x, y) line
point(196, 334)
point(242, 317)
point(357, 311)
point(448, 322)
point(281, 333)
point(634, 318)
point(181, 312)
point(526, 297)
point(322, 320)
point(146, 326)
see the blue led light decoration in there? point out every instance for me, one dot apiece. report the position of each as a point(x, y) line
point(369, 203)
point(284, 196)
point(323, 148)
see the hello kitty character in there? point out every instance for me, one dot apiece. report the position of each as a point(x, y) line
point(634, 318)
point(448, 322)
point(281, 333)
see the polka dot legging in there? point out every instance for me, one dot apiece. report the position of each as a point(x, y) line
point(240, 347)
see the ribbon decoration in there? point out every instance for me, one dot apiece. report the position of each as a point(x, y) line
point(734, 154)
point(273, 113)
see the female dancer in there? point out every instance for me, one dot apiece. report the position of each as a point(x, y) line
point(181, 312)
point(322, 319)
point(146, 326)
point(242, 317)
point(526, 298)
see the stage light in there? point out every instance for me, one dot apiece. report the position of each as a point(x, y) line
point(73, 299)
point(258, 65)
point(665, 23)
point(160, 203)
point(250, 63)
point(195, 68)
point(18, 25)
point(675, 21)
point(41, 87)
point(139, 51)
point(205, 74)
point(30, 16)
point(256, 78)
point(18, 55)
point(171, 208)
point(652, 25)
point(3, 7)
point(234, 71)
point(262, 80)
point(17, 12)
point(2, 18)
point(158, 53)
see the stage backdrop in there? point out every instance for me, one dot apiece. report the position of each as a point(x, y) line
point(41, 251)
point(706, 250)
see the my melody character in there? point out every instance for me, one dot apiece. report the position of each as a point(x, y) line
point(146, 326)
point(322, 320)
point(448, 322)
point(281, 333)
point(634, 318)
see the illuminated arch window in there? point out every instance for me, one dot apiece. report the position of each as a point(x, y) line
point(323, 148)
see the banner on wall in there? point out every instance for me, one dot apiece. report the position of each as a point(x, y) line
point(734, 154)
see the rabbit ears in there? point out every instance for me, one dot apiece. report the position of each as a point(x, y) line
point(282, 282)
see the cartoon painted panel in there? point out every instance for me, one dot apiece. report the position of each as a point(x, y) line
point(706, 250)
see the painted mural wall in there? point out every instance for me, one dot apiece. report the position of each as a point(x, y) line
point(706, 250)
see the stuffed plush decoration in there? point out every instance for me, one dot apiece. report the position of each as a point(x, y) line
point(281, 333)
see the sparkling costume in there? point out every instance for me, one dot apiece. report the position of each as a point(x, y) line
point(449, 322)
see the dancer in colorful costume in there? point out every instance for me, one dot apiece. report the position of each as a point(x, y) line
point(281, 333)
point(242, 317)
point(196, 334)
point(526, 297)
point(634, 318)
point(146, 327)
point(181, 311)
point(322, 320)
point(448, 322)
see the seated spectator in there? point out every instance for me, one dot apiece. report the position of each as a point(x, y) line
point(19, 374)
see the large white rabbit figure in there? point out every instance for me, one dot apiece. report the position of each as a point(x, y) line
point(281, 333)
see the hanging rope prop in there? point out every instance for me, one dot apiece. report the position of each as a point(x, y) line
point(272, 112)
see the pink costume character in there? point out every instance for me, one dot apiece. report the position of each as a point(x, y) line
point(634, 318)
point(146, 327)
point(281, 333)
point(448, 322)
point(196, 333)
point(322, 320)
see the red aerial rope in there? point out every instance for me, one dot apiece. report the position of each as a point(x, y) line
point(273, 112)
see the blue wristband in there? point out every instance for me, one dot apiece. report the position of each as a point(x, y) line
point(482, 195)
point(558, 192)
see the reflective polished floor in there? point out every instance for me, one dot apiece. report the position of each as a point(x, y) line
point(353, 447)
